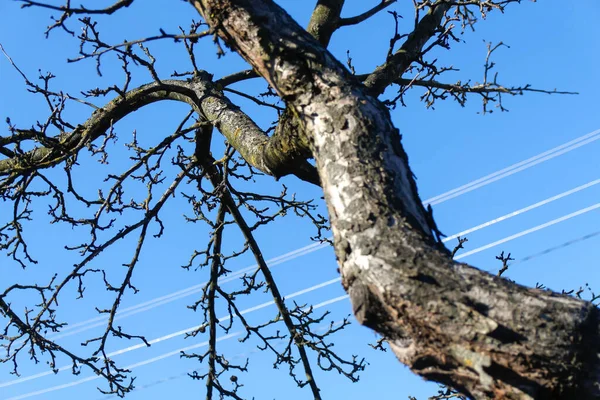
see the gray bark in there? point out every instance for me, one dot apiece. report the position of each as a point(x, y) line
point(447, 321)
point(269, 156)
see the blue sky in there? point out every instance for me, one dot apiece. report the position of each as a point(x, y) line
point(552, 45)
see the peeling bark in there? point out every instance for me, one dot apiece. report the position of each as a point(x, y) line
point(447, 321)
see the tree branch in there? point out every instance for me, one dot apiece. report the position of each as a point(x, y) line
point(366, 15)
point(284, 312)
point(324, 20)
point(410, 50)
point(200, 93)
point(489, 87)
point(490, 92)
point(68, 11)
point(81, 10)
point(449, 322)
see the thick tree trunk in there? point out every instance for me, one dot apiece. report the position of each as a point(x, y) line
point(447, 321)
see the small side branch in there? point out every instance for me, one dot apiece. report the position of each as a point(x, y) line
point(366, 15)
point(68, 11)
point(81, 10)
point(410, 50)
point(228, 200)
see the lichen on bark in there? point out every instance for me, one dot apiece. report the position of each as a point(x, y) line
point(447, 321)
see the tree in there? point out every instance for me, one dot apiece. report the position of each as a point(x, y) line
point(483, 335)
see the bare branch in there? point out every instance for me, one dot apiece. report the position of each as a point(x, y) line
point(240, 130)
point(237, 77)
point(366, 15)
point(68, 11)
point(410, 50)
point(408, 288)
point(82, 10)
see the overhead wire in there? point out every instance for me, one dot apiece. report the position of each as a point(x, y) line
point(557, 247)
point(173, 334)
point(240, 355)
point(478, 183)
point(585, 139)
point(157, 358)
point(522, 210)
point(308, 290)
point(519, 261)
point(70, 330)
point(337, 299)
point(263, 305)
point(514, 168)
point(528, 231)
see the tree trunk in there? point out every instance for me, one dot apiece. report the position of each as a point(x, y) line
point(447, 321)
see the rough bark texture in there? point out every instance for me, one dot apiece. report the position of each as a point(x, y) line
point(325, 20)
point(290, 146)
point(447, 321)
point(202, 95)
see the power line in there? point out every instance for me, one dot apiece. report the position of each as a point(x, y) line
point(159, 357)
point(150, 304)
point(557, 247)
point(513, 169)
point(145, 362)
point(500, 174)
point(585, 139)
point(175, 334)
point(522, 210)
point(241, 355)
point(310, 289)
point(528, 231)
point(519, 261)
point(266, 304)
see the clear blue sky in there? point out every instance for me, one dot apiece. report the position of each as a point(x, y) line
point(552, 44)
